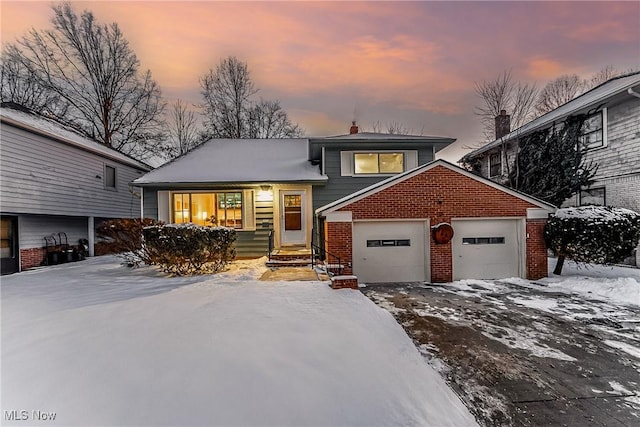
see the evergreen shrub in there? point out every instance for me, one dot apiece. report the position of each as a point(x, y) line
point(124, 236)
point(592, 234)
point(185, 249)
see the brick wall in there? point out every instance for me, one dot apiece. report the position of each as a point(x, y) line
point(32, 257)
point(339, 242)
point(536, 249)
point(441, 194)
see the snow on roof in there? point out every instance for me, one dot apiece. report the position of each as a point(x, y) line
point(584, 102)
point(57, 131)
point(239, 160)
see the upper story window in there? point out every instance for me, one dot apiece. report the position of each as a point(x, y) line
point(109, 177)
point(593, 133)
point(377, 163)
point(367, 163)
point(495, 164)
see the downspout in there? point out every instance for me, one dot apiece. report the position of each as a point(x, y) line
point(632, 92)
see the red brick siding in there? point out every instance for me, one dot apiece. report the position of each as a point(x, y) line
point(33, 257)
point(339, 242)
point(441, 194)
point(536, 249)
point(343, 283)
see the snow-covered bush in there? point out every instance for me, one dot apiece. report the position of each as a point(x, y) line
point(184, 249)
point(592, 234)
point(124, 237)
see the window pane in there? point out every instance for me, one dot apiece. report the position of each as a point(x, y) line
point(366, 162)
point(495, 165)
point(391, 163)
point(202, 208)
point(591, 132)
point(181, 212)
point(593, 196)
point(110, 177)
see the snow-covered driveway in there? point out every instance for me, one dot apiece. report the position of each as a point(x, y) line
point(560, 351)
point(93, 343)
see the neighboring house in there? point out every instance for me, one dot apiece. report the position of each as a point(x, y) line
point(262, 185)
point(52, 180)
point(611, 135)
point(437, 223)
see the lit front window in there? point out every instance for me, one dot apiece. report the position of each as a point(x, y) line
point(224, 209)
point(378, 163)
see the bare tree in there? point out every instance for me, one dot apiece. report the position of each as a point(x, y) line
point(227, 92)
point(182, 128)
point(92, 68)
point(503, 93)
point(392, 128)
point(19, 86)
point(267, 119)
point(230, 111)
point(558, 92)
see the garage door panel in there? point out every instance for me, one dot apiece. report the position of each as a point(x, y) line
point(390, 251)
point(485, 249)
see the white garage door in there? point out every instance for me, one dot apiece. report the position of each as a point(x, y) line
point(391, 251)
point(485, 249)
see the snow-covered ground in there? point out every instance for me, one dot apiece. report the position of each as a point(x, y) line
point(95, 343)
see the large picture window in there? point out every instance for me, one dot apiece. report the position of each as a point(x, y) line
point(378, 163)
point(212, 209)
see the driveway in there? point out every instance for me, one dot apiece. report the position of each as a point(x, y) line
point(520, 354)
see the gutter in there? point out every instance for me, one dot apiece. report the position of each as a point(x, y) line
point(632, 92)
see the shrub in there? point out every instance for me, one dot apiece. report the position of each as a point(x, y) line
point(183, 249)
point(124, 236)
point(592, 234)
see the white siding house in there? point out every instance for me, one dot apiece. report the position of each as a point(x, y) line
point(53, 180)
point(611, 136)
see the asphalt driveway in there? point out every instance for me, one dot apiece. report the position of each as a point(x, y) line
point(518, 354)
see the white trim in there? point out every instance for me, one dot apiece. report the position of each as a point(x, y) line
point(340, 216)
point(389, 182)
point(535, 213)
point(91, 230)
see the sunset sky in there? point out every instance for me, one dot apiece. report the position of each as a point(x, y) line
point(332, 62)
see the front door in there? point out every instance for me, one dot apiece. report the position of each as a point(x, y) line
point(293, 227)
point(8, 244)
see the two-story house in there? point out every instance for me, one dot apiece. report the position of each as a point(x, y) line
point(285, 196)
point(52, 180)
point(611, 135)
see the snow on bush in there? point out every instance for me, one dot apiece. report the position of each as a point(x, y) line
point(184, 249)
point(592, 234)
point(124, 237)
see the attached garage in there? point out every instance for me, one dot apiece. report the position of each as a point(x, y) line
point(386, 232)
point(391, 251)
point(487, 248)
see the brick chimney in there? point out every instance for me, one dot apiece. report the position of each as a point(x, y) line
point(503, 124)
point(354, 128)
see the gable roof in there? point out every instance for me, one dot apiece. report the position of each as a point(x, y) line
point(583, 103)
point(239, 161)
point(379, 186)
point(58, 132)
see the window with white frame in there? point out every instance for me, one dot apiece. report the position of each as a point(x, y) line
point(110, 177)
point(593, 133)
point(211, 209)
point(495, 164)
point(366, 163)
point(593, 196)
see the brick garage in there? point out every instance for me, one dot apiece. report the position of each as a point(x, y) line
point(500, 230)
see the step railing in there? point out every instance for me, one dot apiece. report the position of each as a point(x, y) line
point(332, 263)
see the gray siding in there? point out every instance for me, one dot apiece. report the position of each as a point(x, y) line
point(150, 203)
point(33, 229)
point(340, 186)
point(43, 176)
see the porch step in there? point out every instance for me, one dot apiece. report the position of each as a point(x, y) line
point(293, 254)
point(289, 262)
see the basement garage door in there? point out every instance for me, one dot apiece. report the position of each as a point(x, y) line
point(485, 249)
point(390, 251)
